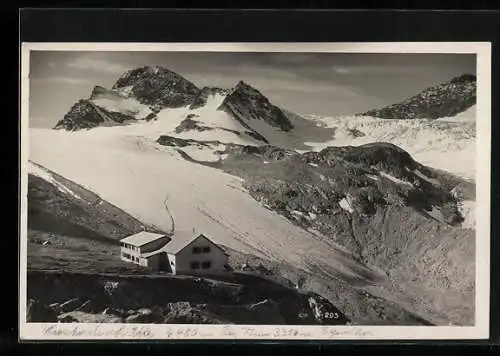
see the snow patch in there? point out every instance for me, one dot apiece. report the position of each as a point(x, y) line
point(396, 180)
point(45, 175)
point(220, 126)
point(201, 154)
point(128, 106)
point(346, 205)
point(467, 209)
point(125, 91)
point(424, 177)
point(468, 115)
point(371, 176)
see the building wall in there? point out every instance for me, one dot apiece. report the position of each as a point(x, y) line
point(154, 261)
point(133, 253)
point(130, 254)
point(172, 261)
point(187, 256)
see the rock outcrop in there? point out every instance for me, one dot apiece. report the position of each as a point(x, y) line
point(158, 87)
point(246, 103)
point(442, 100)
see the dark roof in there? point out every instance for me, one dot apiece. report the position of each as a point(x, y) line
point(178, 241)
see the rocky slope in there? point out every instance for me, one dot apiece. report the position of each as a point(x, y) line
point(383, 207)
point(340, 189)
point(242, 299)
point(57, 205)
point(201, 99)
point(443, 100)
point(157, 86)
point(246, 103)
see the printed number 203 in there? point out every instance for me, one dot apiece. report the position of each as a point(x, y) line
point(331, 315)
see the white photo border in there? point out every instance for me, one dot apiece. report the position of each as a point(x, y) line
point(73, 331)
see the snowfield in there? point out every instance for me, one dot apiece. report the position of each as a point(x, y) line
point(468, 115)
point(448, 144)
point(128, 106)
point(125, 167)
point(221, 126)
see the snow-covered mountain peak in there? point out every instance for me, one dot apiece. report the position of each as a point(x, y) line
point(157, 86)
point(247, 103)
point(240, 115)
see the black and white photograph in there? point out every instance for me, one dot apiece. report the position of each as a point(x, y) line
point(252, 192)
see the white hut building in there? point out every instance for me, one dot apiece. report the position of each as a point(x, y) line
point(178, 253)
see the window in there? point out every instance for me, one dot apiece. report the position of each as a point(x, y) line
point(172, 263)
point(206, 249)
point(127, 256)
point(196, 249)
point(195, 265)
point(206, 265)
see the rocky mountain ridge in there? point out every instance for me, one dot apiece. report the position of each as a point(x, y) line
point(155, 89)
point(442, 100)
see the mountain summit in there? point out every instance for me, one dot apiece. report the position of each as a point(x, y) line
point(443, 100)
point(149, 92)
point(246, 102)
point(157, 86)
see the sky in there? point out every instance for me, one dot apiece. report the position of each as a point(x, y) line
point(328, 84)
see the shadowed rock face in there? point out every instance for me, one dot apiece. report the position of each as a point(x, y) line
point(158, 87)
point(442, 100)
point(86, 115)
point(201, 99)
point(247, 103)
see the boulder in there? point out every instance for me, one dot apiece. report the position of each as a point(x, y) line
point(66, 318)
point(266, 312)
point(81, 317)
point(144, 311)
point(144, 318)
